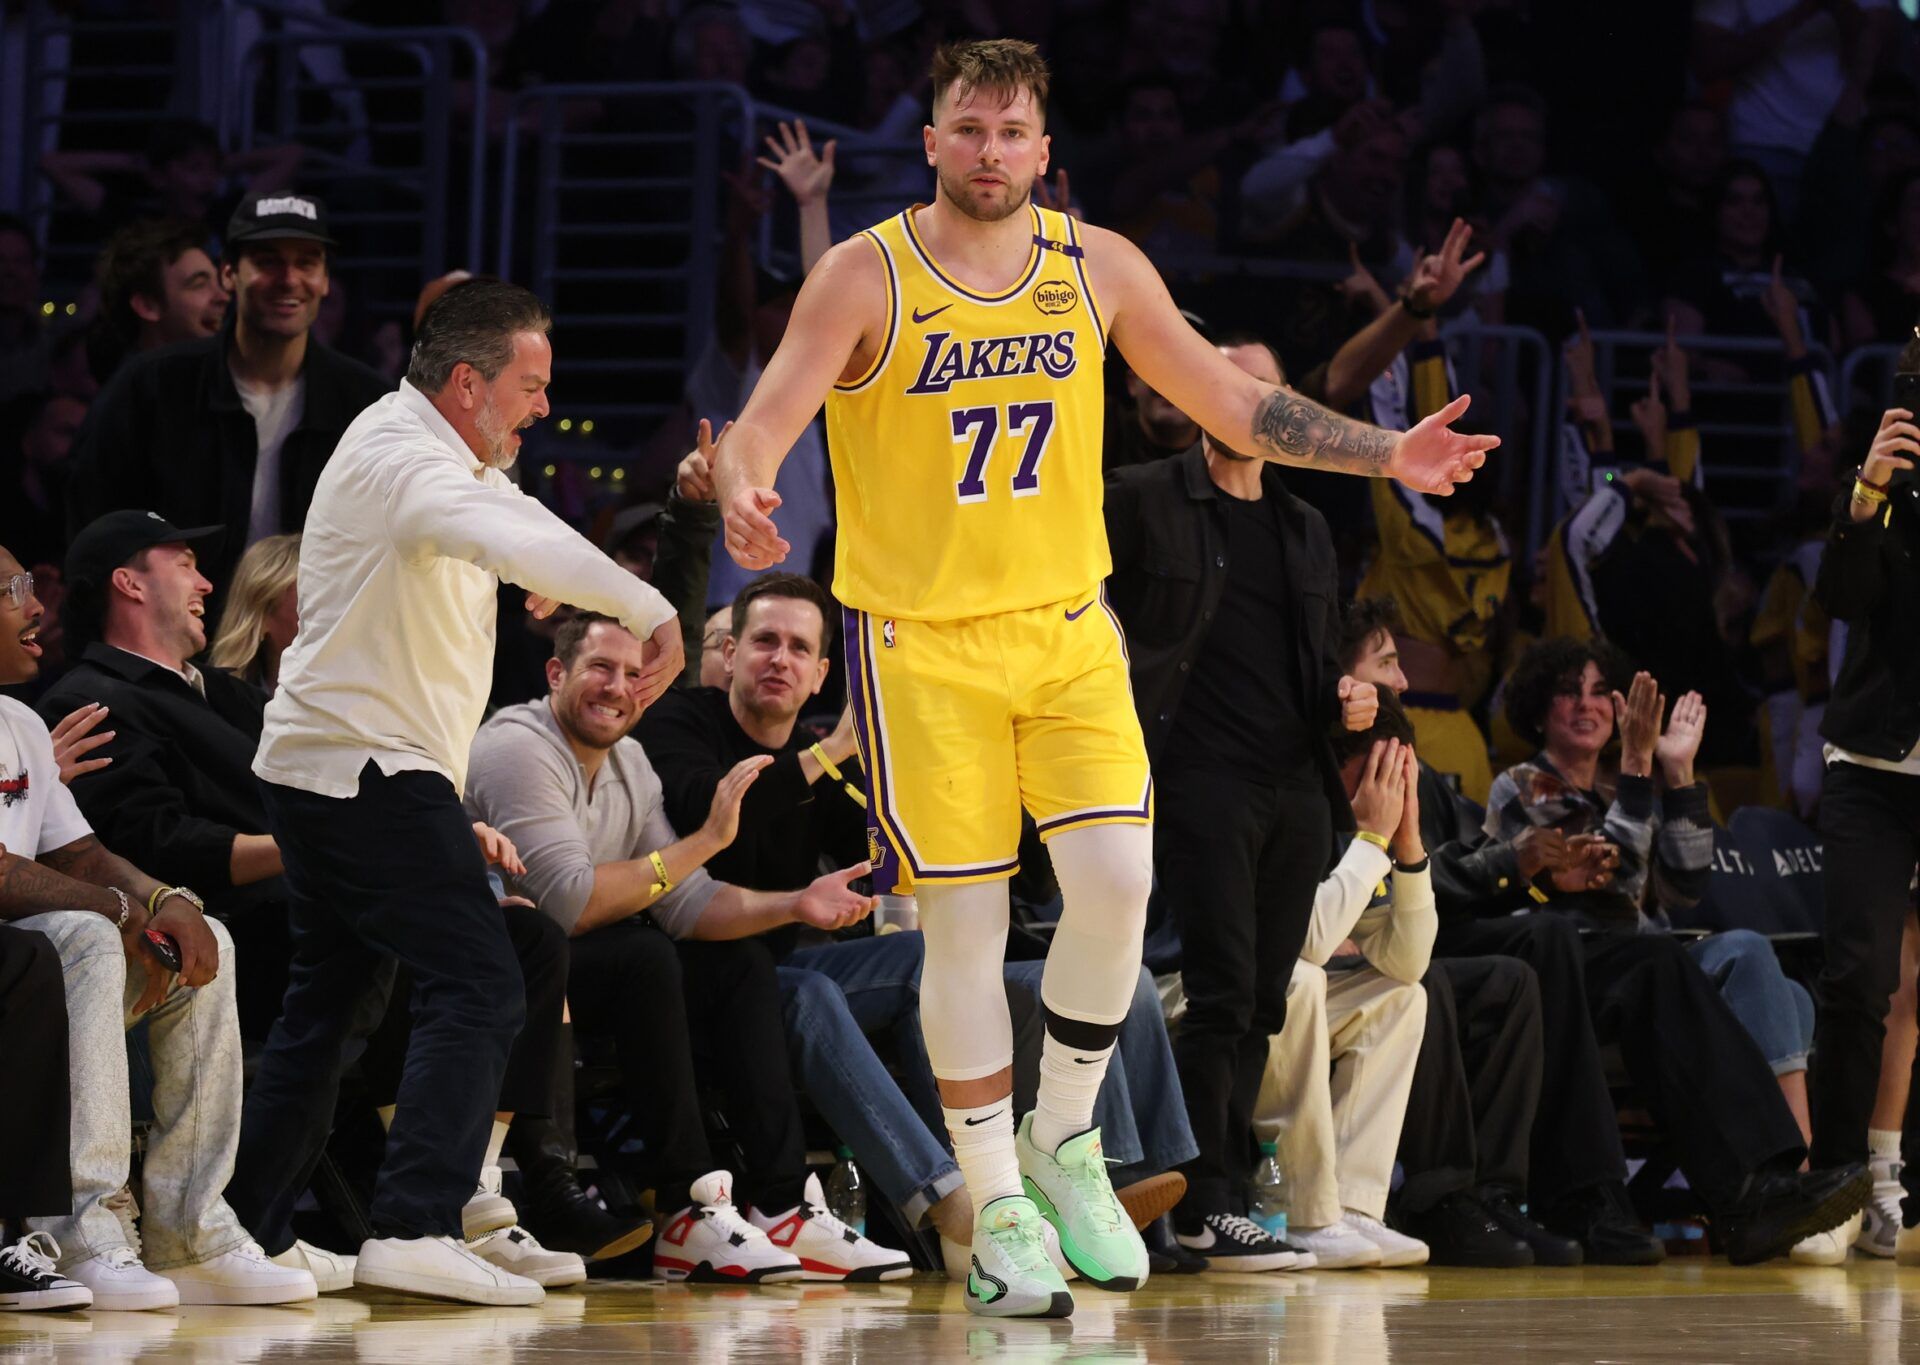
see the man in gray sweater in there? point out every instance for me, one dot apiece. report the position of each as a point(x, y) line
point(664, 961)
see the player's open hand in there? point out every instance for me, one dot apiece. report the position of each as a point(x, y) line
point(831, 903)
point(752, 539)
point(665, 656)
point(1433, 458)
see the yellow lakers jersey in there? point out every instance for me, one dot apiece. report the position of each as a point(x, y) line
point(966, 460)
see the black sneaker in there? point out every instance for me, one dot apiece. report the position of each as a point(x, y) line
point(566, 1218)
point(1460, 1232)
point(1165, 1255)
point(1230, 1242)
point(28, 1280)
point(1549, 1248)
point(1600, 1217)
point(1777, 1210)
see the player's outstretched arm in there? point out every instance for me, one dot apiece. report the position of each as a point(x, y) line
point(843, 301)
point(1255, 418)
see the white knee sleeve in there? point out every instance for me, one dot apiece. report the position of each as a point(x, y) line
point(1106, 875)
point(963, 999)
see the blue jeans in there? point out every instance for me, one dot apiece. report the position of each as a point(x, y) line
point(1141, 1114)
point(834, 995)
point(1777, 1011)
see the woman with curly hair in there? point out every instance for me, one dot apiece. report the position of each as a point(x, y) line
point(1639, 835)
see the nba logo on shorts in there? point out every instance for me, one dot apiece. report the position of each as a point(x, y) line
point(886, 634)
point(876, 849)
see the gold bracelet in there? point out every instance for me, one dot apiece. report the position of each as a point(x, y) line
point(826, 764)
point(1866, 494)
point(1379, 841)
point(662, 883)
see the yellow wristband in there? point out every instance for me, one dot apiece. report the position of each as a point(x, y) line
point(1379, 841)
point(662, 883)
point(1866, 494)
point(826, 764)
point(154, 898)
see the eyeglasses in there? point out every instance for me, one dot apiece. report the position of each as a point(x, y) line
point(17, 590)
point(715, 639)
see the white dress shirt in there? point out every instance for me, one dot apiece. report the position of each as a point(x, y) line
point(406, 541)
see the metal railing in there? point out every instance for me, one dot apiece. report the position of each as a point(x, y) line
point(615, 220)
point(1750, 458)
point(411, 210)
point(1866, 376)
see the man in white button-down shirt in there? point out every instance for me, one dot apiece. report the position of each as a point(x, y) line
point(363, 759)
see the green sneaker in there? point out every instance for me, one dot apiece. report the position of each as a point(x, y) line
point(1011, 1276)
point(1072, 1192)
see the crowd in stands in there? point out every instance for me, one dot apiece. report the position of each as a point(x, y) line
point(1526, 767)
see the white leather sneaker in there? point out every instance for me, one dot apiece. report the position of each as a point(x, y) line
point(709, 1242)
point(242, 1276)
point(331, 1271)
point(488, 1210)
point(120, 1284)
point(827, 1248)
point(518, 1250)
point(440, 1268)
point(1397, 1250)
point(1829, 1247)
point(1337, 1246)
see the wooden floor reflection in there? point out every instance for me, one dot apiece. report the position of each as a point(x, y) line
point(1693, 1311)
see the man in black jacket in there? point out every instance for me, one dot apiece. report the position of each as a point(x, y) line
point(1225, 584)
point(236, 428)
point(1870, 797)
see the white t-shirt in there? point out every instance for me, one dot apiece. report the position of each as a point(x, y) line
point(37, 812)
point(275, 412)
point(1783, 101)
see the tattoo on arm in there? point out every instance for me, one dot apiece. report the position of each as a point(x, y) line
point(31, 888)
point(89, 860)
point(1298, 431)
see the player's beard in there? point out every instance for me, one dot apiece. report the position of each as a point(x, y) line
point(497, 435)
point(961, 195)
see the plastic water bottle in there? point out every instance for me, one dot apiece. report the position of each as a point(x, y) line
point(847, 1193)
point(1269, 1195)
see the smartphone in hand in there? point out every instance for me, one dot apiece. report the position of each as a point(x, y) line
point(164, 948)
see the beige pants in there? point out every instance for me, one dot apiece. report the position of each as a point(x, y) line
point(1335, 1090)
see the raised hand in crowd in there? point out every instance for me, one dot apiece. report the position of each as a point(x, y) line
point(1359, 703)
point(831, 903)
point(723, 816)
point(1380, 802)
point(1057, 196)
point(1679, 742)
point(1661, 497)
point(1407, 848)
point(1894, 448)
point(1783, 306)
point(694, 479)
point(73, 740)
point(1438, 277)
point(498, 850)
point(1637, 717)
point(1360, 284)
point(1585, 400)
point(807, 174)
point(1650, 416)
point(1669, 364)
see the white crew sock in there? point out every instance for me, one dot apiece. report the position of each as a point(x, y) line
point(1069, 1083)
point(496, 1140)
point(1883, 1149)
point(983, 1148)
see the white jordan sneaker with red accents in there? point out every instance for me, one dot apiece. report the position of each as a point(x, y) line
point(827, 1248)
point(708, 1242)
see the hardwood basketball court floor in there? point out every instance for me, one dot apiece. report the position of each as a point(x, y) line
point(1690, 1310)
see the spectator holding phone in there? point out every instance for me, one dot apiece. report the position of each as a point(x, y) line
point(1870, 799)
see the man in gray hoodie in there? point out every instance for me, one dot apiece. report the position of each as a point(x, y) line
point(664, 961)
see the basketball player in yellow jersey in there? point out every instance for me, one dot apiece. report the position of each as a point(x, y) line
point(958, 348)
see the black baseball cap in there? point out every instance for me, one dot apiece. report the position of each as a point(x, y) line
point(107, 542)
point(265, 217)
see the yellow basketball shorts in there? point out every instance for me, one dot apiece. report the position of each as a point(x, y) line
point(961, 723)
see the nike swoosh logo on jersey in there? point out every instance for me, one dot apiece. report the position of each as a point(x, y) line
point(1076, 615)
point(974, 1123)
point(929, 316)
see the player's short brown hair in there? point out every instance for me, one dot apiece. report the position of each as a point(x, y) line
point(1000, 66)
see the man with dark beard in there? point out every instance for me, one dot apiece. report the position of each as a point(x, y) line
point(362, 760)
point(232, 430)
